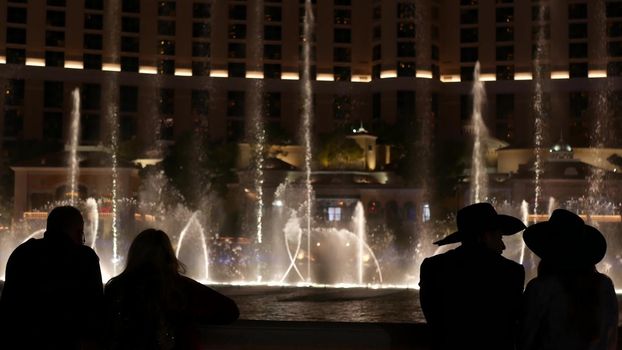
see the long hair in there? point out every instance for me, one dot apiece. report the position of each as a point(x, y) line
point(147, 293)
point(580, 282)
point(152, 249)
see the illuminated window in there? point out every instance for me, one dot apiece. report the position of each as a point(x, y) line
point(334, 214)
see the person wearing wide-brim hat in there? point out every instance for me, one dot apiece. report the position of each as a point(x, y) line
point(569, 305)
point(471, 295)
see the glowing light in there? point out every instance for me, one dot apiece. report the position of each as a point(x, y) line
point(425, 74)
point(219, 73)
point(317, 244)
point(325, 77)
point(2, 59)
point(35, 62)
point(183, 72)
point(597, 218)
point(451, 78)
point(597, 73)
point(560, 75)
point(254, 75)
point(523, 76)
point(147, 70)
point(290, 76)
point(361, 78)
point(488, 77)
point(74, 65)
point(111, 67)
point(389, 73)
point(277, 203)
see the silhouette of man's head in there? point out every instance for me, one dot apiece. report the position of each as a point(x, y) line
point(480, 224)
point(66, 220)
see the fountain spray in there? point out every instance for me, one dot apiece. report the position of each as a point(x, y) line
point(479, 177)
point(307, 116)
point(182, 235)
point(538, 103)
point(360, 231)
point(257, 127)
point(93, 216)
point(598, 136)
point(524, 211)
point(112, 116)
point(74, 135)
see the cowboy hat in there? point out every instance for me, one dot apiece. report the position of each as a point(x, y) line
point(566, 237)
point(478, 218)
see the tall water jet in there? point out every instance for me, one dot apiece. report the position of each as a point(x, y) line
point(74, 139)
point(552, 205)
point(538, 103)
point(479, 176)
point(182, 236)
point(92, 213)
point(360, 231)
point(524, 211)
point(601, 125)
point(111, 101)
point(257, 132)
point(307, 116)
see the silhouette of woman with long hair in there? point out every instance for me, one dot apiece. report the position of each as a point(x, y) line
point(151, 305)
point(570, 305)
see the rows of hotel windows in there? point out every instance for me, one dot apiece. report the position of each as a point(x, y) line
point(130, 46)
point(540, 16)
point(54, 96)
point(390, 212)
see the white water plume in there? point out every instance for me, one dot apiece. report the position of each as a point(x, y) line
point(524, 211)
point(479, 176)
point(194, 221)
point(92, 214)
point(74, 139)
point(307, 116)
point(538, 103)
point(257, 137)
point(552, 205)
point(598, 137)
point(360, 230)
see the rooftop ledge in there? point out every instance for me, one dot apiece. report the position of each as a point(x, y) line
point(356, 78)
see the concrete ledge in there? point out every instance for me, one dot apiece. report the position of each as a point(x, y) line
point(315, 335)
point(260, 335)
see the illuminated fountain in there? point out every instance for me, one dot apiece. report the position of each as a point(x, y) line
point(479, 175)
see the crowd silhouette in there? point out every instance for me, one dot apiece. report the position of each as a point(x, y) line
point(53, 296)
point(472, 297)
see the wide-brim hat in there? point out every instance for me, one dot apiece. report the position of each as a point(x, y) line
point(478, 218)
point(566, 237)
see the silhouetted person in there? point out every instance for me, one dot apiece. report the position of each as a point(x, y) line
point(471, 295)
point(53, 295)
point(150, 305)
point(570, 305)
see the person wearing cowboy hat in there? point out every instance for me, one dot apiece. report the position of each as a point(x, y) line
point(470, 296)
point(569, 305)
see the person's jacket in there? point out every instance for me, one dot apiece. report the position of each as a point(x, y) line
point(141, 315)
point(52, 297)
point(471, 297)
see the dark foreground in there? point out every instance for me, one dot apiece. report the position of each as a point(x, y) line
point(320, 335)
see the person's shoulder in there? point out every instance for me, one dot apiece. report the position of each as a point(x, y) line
point(29, 247)
point(88, 253)
point(605, 281)
point(509, 264)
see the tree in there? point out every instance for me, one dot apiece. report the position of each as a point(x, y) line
point(196, 167)
point(339, 151)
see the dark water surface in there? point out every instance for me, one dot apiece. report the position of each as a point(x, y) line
point(330, 304)
point(326, 304)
